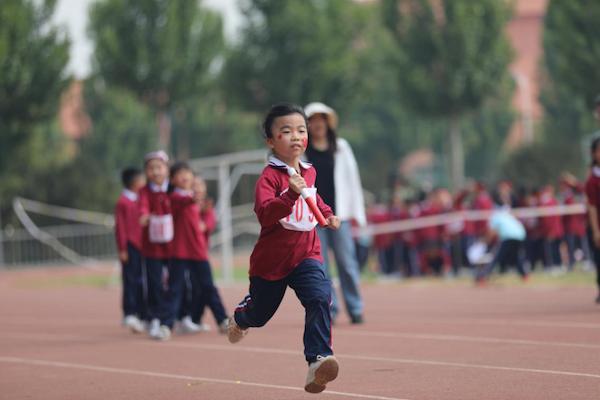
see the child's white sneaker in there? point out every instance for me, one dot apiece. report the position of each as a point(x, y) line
point(320, 372)
point(154, 328)
point(234, 332)
point(223, 327)
point(133, 323)
point(186, 325)
point(162, 333)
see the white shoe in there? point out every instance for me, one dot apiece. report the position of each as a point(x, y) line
point(223, 326)
point(134, 324)
point(162, 333)
point(204, 327)
point(154, 328)
point(321, 372)
point(234, 332)
point(186, 325)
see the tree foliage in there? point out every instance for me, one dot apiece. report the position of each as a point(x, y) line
point(161, 50)
point(298, 51)
point(452, 56)
point(33, 57)
point(572, 46)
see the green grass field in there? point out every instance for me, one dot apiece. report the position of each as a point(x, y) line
point(106, 277)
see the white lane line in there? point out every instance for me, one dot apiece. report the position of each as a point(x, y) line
point(124, 371)
point(383, 359)
point(461, 338)
point(13, 320)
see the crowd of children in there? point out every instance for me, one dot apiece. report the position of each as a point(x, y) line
point(553, 241)
point(163, 221)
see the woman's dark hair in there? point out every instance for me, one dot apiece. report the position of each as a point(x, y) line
point(331, 137)
point(593, 148)
point(280, 110)
point(129, 175)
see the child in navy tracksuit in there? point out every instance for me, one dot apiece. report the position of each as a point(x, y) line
point(128, 233)
point(189, 252)
point(157, 221)
point(288, 251)
point(208, 223)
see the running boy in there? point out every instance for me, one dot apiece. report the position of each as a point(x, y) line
point(288, 251)
point(156, 218)
point(129, 244)
point(189, 252)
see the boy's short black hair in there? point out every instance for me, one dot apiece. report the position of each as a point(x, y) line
point(280, 110)
point(179, 166)
point(128, 175)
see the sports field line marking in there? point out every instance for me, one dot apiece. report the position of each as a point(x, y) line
point(125, 371)
point(474, 321)
point(383, 359)
point(461, 338)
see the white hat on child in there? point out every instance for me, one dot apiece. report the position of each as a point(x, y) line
point(156, 155)
point(321, 108)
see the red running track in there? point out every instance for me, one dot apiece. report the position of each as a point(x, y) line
point(419, 342)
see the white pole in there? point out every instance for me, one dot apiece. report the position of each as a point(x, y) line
point(225, 222)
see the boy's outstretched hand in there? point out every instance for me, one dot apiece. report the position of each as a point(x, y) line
point(333, 222)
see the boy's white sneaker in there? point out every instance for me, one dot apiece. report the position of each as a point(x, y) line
point(320, 372)
point(134, 324)
point(186, 325)
point(234, 332)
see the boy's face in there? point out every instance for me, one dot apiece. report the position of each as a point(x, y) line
point(289, 137)
point(137, 183)
point(183, 179)
point(157, 171)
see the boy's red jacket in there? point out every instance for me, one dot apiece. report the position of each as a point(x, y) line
point(279, 250)
point(154, 200)
point(189, 242)
point(127, 222)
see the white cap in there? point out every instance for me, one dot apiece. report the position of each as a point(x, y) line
point(157, 155)
point(320, 108)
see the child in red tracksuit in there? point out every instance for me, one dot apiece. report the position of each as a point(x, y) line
point(157, 221)
point(128, 233)
point(288, 251)
point(208, 223)
point(189, 252)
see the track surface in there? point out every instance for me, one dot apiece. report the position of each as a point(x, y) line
point(419, 342)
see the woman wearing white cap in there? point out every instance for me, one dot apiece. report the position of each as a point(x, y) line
point(338, 183)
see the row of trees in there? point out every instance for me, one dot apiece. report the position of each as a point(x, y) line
point(403, 74)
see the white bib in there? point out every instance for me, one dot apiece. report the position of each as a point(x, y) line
point(301, 219)
point(160, 228)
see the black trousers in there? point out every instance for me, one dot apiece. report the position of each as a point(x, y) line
point(312, 288)
point(204, 291)
point(596, 257)
point(509, 252)
point(133, 284)
point(155, 292)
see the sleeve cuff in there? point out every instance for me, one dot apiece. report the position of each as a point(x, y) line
point(290, 196)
